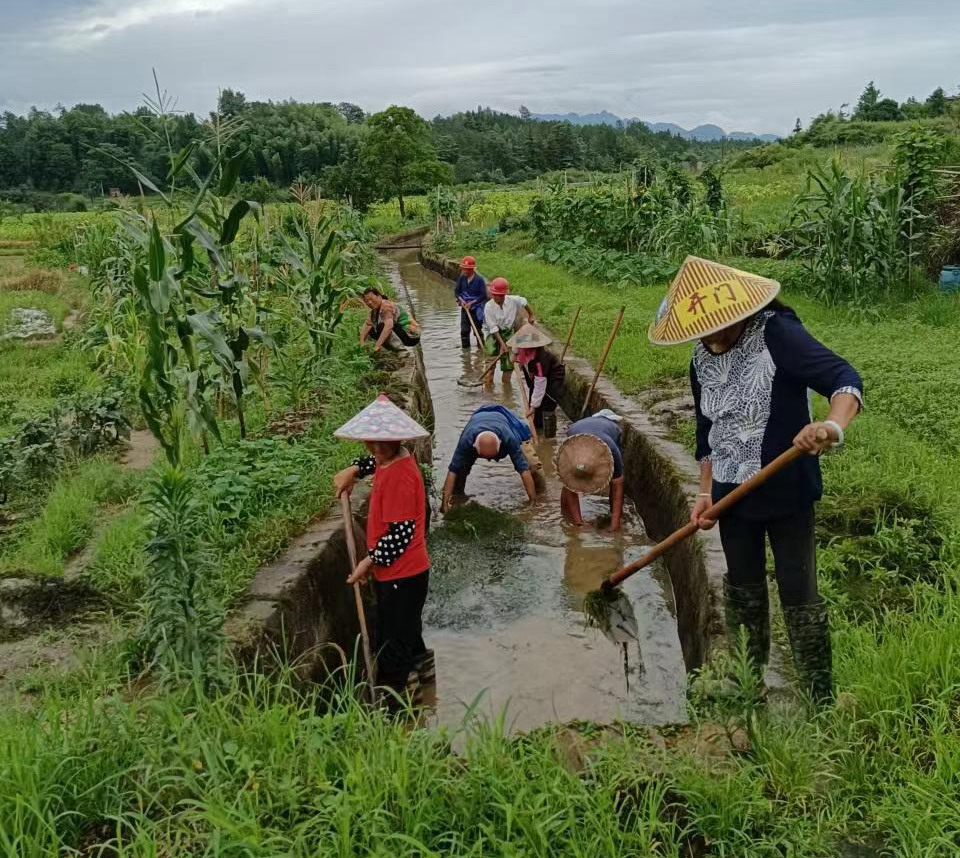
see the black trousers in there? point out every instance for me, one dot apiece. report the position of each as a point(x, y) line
point(399, 629)
point(400, 333)
point(465, 328)
point(792, 540)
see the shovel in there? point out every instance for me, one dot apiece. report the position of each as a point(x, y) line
point(608, 607)
point(464, 383)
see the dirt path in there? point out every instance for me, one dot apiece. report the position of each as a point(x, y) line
point(140, 454)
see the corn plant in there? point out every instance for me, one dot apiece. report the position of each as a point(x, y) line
point(317, 265)
point(183, 624)
point(853, 232)
point(662, 216)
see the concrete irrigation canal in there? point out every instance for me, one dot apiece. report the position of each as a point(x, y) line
point(504, 611)
point(504, 614)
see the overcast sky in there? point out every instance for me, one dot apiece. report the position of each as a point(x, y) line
point(750, 65)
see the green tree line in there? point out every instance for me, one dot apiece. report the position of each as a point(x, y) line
point(84, 150)
point(869, 120)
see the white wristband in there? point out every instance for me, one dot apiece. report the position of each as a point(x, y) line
point(839, 430)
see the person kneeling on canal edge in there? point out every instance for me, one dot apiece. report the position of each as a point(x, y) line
point(492, 432)
point(396, 541)
point(471, 295)
point(386, 318)
point(751, 371)
point(588, 462)
point(501, 317)
point(543, 374)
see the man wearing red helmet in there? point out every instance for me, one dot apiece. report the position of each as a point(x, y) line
point(471, 294)
point(501, 317)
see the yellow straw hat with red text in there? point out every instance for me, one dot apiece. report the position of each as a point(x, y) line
point(706, 297)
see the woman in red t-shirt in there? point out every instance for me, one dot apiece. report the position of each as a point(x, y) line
point(396, 539)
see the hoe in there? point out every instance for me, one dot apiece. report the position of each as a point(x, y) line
point(608, 608)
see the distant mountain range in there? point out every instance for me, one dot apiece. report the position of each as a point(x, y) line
point(701, 132)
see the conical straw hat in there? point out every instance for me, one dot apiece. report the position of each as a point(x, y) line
point(706, 297)
point(381, 420)
point(584, 464)
point(529, 337)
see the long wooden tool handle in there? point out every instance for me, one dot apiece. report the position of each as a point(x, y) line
point(473, 324)
point(361, 613)
point(573, 324)
point(525, 396)
point(713, 512)
point(489, 369)
point(603, 359)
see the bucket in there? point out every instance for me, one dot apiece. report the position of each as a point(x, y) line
point(950, 278)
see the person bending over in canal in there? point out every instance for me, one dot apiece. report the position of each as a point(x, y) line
point(588, 462)
point(396, 541)
point(751, 370)
point(501, 317)
point(492, 432)
point(543, 374)
point(386, 318)
point(471, 294)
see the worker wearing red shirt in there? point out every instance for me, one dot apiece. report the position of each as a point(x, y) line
point(396, 540)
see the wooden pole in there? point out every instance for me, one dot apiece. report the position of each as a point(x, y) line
point(473, 324)
point(603, 359)
point(525, 396)
point(361, 613)
point(573, 324)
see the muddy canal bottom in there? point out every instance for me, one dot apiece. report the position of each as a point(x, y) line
point(504, 613)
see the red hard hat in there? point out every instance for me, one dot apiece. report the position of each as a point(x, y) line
point(499, 286)
point(468, 263)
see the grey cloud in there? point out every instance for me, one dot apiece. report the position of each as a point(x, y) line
point(749, 65)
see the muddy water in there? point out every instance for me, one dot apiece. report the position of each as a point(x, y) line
point(507, 630)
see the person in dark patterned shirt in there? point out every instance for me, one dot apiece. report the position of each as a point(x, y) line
point(752, 372)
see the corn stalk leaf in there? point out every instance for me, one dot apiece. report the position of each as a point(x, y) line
point(230, 174)
point(206, 325)
point(156, 254)
point(232, 224)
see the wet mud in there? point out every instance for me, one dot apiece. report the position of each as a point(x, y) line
point(504, 613)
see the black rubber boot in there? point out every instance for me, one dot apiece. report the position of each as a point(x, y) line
point(749, 607)
point(808, 627)
point(549, 424)
point(394, 691)
point(426, 667)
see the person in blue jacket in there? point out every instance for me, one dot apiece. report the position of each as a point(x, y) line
point(492, 432)
point(471, 295)
point(753, 368)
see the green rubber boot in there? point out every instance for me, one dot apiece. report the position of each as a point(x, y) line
point(808, 628)
point(749, 607)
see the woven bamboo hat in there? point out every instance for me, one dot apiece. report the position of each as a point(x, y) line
point(381, 420)
point(584, 464)
point(529, 337)
point(706, 297)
